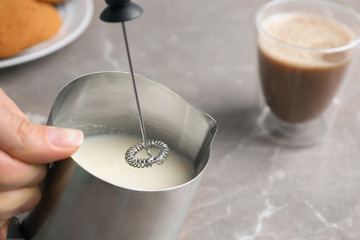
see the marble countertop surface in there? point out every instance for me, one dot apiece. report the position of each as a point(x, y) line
point(253, 189)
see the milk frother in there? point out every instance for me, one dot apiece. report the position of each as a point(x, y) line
point(121, 11)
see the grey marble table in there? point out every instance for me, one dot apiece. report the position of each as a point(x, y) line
point(204, 51)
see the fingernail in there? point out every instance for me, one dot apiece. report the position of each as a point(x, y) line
point(64, 137)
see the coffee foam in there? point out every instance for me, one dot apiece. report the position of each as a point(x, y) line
point(305, 31)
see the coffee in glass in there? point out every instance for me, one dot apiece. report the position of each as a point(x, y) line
point(303, 57)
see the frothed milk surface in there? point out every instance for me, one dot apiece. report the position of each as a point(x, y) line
point(308, 31)
point(104, 157)
point(304, 31)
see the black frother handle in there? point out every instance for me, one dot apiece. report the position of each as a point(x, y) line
point(120, 11)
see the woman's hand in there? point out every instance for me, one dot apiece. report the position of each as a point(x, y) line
point(25, 148)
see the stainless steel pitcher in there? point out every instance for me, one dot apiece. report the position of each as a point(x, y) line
point(77, 205)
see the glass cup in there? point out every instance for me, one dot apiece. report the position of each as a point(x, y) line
point(305, 49)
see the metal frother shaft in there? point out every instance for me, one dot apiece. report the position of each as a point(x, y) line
point(121, 11)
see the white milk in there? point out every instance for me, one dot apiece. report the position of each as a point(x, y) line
point(104, 157)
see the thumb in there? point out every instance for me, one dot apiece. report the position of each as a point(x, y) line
point(34, 143)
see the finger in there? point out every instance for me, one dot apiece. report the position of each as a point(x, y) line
point(14, 202)
point(6, 102)
point(35, 143)
point(4, 223)
point(18, 174)
point(3, 229)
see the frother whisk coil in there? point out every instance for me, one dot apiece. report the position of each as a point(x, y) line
point(134, 161)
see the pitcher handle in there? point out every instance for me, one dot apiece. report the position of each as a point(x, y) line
point(14, 230)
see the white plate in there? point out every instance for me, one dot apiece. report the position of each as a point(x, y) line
point(76, 15)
